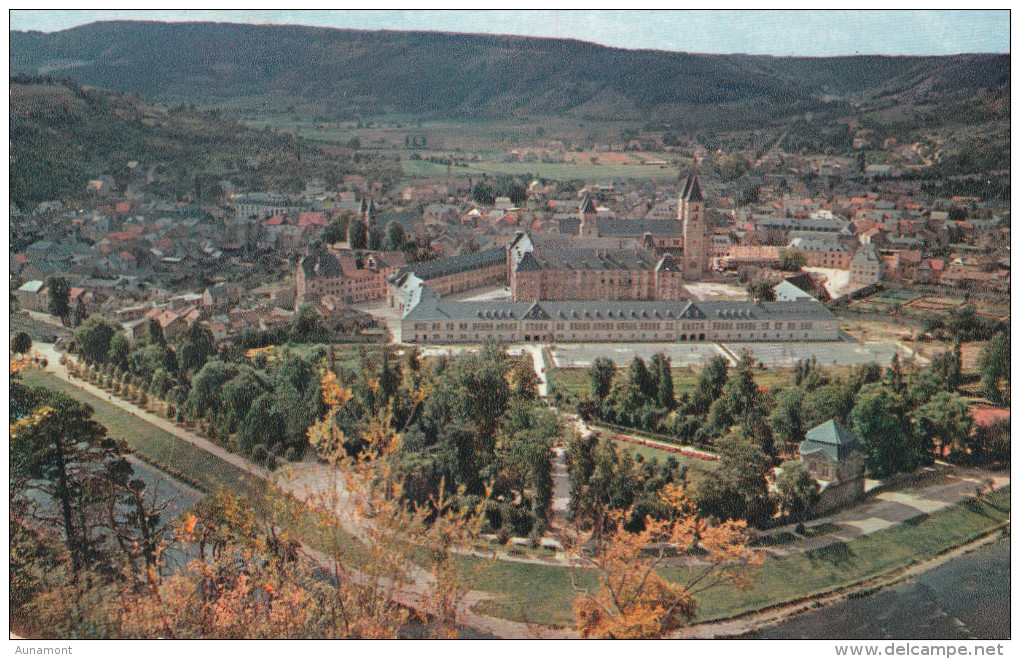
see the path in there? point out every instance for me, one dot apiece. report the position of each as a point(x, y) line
point(561, 487)
point(307, 479)
point(887, 509)
point(538, 357)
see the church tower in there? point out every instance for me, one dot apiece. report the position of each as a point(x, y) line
point(692, 214)
point(588, 228)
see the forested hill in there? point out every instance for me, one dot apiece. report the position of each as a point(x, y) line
point(459, 75)
point(63, 135)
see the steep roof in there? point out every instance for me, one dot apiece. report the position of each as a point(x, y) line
point(588, 207)
point(691, 190)
point(616, 228)
point(443, 267)
point(572, 258)
point(624, 310)
point(832, 438)
point(321, 263)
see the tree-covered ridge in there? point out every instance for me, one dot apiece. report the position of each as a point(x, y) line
point(63, 135)
point(427, 73)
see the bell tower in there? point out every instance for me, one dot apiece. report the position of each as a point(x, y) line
point(695, 232)
point(588, 228)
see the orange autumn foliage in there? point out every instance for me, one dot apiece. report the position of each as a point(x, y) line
point(634, 600)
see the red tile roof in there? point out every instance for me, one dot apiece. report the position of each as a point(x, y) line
point(984, 415)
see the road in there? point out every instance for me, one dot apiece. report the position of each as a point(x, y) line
point(308, 481)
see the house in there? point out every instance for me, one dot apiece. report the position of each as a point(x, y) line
point(32, 296)
point(866, 268)
point(834, 456)
point(929, 271)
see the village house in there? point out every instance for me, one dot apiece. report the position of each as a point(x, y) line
point(866, 268)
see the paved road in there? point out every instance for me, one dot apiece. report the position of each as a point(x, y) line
point(309, 480)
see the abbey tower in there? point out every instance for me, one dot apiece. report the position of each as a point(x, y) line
point(691, 213)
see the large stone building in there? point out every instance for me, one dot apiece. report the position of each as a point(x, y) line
point(262, 205)
point(596, 274)
point(866, 268)
point(349, 278)
point(446, 276)
point(431, 320)
point(687, 237)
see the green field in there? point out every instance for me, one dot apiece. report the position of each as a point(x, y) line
point(555, 171)
point(543, 594)
point(206, 471)
point(151, 443)
point(575, 381)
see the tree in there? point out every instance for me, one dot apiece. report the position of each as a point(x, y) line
point(797, 490)
point(738, 489)
point(601, 372)
point(881, 421)
point(58, 302)
point(395, 236)
point(336, 230)
point(92, 340)
point(21, 343)
point(153, 335)
point(943, 423)
point(196, 345)
point(67, 455)
point(792, 260)
point(993, 365)
point(516, 192)
point(641, 380)
point(307, 324)
point(375, 239)
point(761, 290)
point(662, 374)
point(710, 384)
point(633, 599)
point(786, 420)
point(119, 350)
point(483, 193)
point(357, 234)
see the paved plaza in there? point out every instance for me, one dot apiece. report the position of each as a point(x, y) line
point(831, 353)
point(581, 355)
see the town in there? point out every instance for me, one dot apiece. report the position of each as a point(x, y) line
point(463, 382)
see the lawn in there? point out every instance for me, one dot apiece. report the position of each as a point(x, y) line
point(846, 563)
point(544, 594)
point(206, 471)
point(576, 382)
point(151, 443)
point(558, 171)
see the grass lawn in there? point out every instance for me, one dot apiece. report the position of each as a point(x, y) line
point(842, 564)
point(555, 171)
point(576, 382)
point(175, 456)
point(543, 594)
point(152, 443)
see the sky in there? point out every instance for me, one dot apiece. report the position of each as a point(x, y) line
point(776, 32)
